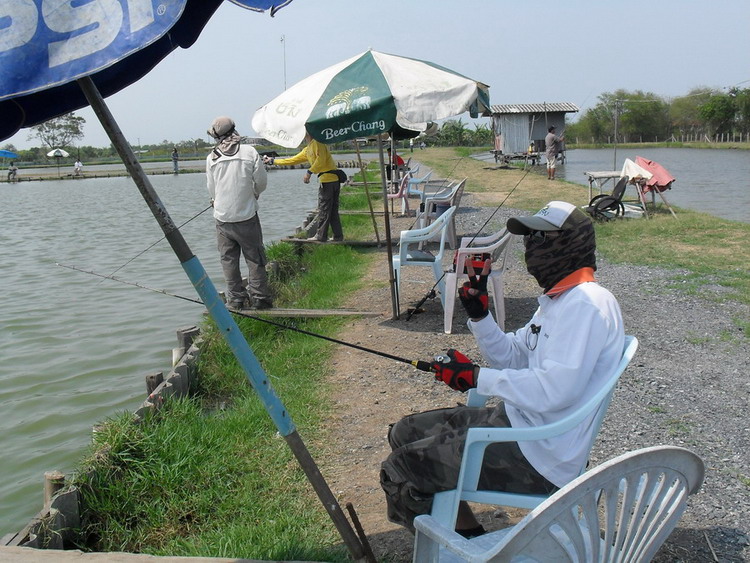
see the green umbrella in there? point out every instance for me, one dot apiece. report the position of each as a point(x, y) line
point(372, 93)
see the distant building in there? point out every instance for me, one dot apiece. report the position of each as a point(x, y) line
point(516, 126)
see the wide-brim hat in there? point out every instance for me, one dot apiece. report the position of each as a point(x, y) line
point(555, 216)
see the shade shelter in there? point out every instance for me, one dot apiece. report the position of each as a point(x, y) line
point(516, 126)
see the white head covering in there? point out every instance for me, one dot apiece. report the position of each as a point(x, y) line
point(222, 129)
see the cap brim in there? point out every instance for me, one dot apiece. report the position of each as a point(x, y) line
point(524, 225)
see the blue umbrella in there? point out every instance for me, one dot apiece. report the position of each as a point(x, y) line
point(47, 73)
point(7, 154)
point(40, 65)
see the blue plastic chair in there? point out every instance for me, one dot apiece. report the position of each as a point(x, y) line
point(414, 183)
point(622, 510)
point(411, 255)
point(445, 504)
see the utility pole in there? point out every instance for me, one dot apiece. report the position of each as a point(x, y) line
point(617, 115)
point(283, 44)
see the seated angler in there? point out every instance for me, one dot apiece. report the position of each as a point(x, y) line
point(542, 372)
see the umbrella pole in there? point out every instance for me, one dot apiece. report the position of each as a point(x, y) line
point(367, 192)
point(226, 324)
point(387, 220)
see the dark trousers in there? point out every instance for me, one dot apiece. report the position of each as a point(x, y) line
point(328, 211)
point(426, 459)
point(245, 238)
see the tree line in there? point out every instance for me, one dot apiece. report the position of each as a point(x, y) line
point(702, 114)
point(621, 116)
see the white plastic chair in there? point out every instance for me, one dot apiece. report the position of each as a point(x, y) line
point(497, 247)
point(622, 510)
point(411, 255)
point(445, 503)
point(449, 197)
point(414, 183)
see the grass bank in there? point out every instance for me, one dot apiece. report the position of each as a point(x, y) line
point(210, 477)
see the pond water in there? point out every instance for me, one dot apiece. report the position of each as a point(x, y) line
point(713, 181)
point(75, 348)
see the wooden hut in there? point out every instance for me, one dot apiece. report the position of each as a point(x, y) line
point(516, 126)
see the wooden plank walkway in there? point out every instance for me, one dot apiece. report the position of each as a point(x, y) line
point(309, 313)
point(363, 243)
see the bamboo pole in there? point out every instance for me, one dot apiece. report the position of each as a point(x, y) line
point(367, 192)
point(387, 220)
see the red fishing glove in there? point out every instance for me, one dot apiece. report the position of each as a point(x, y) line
point(456, 371)
point(473, 293)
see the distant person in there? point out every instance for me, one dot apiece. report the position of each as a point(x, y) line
point(235, 178)
point(411, 145)
point(175, 160)
point(531, 147)
point(12, 172)
point(78, 167)
point(395, 162)
point(552, 145)
point(329, 190)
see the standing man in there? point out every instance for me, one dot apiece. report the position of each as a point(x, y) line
point(552, 144)
point(78, 167)
point(175, 160)
point(236, 177)
point(322, 164)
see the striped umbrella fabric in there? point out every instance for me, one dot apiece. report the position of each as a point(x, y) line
point(367, 95)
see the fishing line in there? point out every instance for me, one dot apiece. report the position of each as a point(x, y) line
point(157, 242)
point(432, 293)
point(419, 364)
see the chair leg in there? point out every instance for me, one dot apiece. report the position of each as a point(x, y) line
point(397, 274)
point(450, 301)
point(498, 291)
point(440, 279)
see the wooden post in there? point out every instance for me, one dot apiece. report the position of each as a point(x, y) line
point(367, 191)
point(153, 380)
point(53, 482)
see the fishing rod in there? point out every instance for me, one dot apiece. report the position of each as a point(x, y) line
point(419, 364)
point(431, 294)
point(142, 252)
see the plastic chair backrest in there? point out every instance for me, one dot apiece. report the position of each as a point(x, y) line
point(622, 510)
point(431, 230)
point(403, 185)
point(445, 505)
point(619, 190)
point(496, 245)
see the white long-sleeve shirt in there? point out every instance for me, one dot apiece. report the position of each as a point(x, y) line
point(235, 183)
point(577, 349)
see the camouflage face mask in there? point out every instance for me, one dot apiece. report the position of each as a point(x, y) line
point(552, 255)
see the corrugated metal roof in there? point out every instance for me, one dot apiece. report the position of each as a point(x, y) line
point(566, 107)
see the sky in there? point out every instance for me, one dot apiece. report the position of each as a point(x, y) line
point(528, 52)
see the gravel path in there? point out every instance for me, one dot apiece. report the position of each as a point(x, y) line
point(686, 386)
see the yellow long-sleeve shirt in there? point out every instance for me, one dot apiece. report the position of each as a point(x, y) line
point(319, 157)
